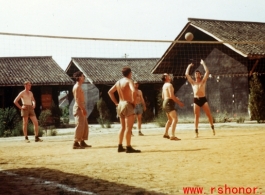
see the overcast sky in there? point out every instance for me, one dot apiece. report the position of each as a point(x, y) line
point(115, 19)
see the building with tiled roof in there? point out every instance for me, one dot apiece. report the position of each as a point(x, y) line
point(46, 76)
point(105, 72)
point(233, 50)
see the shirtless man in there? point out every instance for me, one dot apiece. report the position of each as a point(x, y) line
point(139, 107)
point(200, 100)
point(169, 100)
point(125, 108)
point(79, 111)
point(27, 110)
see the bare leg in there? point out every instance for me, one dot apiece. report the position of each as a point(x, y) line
point(139, 121)
point(168, 124)
point(196, 109)
point(122, 130)
point(128, 128)
point(207, 111)
point(35, 124)
point(25, 126)
point(174, 117)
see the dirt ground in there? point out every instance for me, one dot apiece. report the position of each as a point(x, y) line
point(232, 162)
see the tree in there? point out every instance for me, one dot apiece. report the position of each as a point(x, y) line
point(256, 99)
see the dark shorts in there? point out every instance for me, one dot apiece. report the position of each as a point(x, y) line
point(200, 101)
point(168, 105)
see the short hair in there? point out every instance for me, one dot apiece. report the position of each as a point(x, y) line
point(126, 71)
point(77, 74)
point(198, 71)
point(164, 77)
point(26, 82)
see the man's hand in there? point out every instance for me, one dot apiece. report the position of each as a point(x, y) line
point(202, 62)
point(84, 112)
point(181, 104)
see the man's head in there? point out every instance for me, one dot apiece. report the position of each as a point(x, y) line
point(165, 77)
point(197, 74)
point(77, 75)
point(27, 85)
point(126, 71)
point(136, 84)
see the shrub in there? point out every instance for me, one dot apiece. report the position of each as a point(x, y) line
point(9, 119)
point(104, 113)
point(256, 99)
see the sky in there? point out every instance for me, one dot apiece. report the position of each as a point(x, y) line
point(110, 19)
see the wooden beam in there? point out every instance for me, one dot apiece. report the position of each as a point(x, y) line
point(253, 68)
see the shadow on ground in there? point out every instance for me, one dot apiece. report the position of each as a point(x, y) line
point(48, 181)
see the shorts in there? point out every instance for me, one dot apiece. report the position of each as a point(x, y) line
point(200, 101)
point(29, 111)
point(168, 105)
point(125, 109)
point(138, 109)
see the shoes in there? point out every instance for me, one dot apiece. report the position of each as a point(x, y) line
point(129, 149)
point(175, 138)
point(140, 133)
point(77, 146)
point(121, 148)
point(83, 144)
point(37, 139)
point(166, 136)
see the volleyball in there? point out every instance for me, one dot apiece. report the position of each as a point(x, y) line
point(189, 36)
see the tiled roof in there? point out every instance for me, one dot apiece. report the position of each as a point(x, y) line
point(14, 71)
point(246, 39)
point(108, 70)
point(236, 31)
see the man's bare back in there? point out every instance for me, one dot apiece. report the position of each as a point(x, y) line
point(125, 90)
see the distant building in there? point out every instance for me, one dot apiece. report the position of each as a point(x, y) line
point(230, 62)
point(102, 73)
point(47, 77)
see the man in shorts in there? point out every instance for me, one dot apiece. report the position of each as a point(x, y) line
point(140, 107)
point(27, 111)
point(169, 100)
point(125, 108)
point(200, 100)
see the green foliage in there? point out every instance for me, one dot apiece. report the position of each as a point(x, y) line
point(9, 119)
point(104, 114)
point(148, 114)
point(65, 111)
point(45, 119)
point(161, 118)
point(240, 120)
point(56, 113)
point(256, 99)
point(220, 117)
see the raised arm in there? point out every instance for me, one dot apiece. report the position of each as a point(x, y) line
point(188, 75)
point(206, 75)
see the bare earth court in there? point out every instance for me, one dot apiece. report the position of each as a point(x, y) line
point(232, 162)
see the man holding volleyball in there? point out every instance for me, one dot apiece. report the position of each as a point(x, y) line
point(200, 101)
